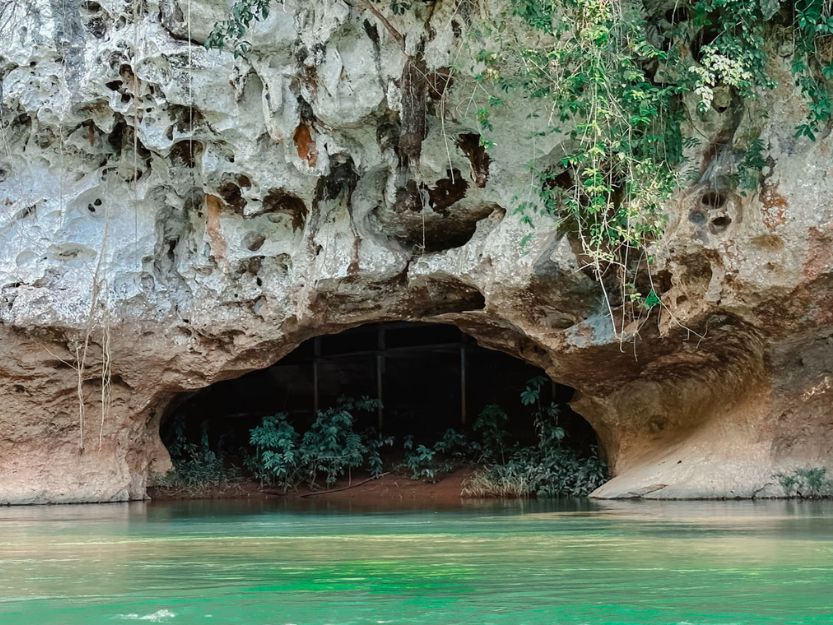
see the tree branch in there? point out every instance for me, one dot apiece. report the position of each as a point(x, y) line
point(367, 6)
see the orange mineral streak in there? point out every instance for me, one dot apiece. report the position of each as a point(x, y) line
point(305, 145)
point(213, 208)
point(774, 206)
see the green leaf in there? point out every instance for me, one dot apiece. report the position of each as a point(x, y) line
point(805, 130)
point(652, 299)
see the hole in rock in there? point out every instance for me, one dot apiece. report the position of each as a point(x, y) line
point(184, 120)
point(442, 233)
point(719, 224)
point(253, 241)
point(233, 196)
point(97, 26)
point(562, 180)
point(704, 38)
point(439, 402)
point(186, 152)
point(372, 32)
point(280, 201)
point(713, 199)
point(697, 217)
point(677, 14)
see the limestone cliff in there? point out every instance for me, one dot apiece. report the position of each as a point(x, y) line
point(172, 215)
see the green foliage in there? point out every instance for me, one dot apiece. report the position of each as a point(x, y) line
point(809, 483)
point(232, 30)
point(531, 394)
point(532, 471)
point(330, 449)
point(456, 446)
point(374, 443)
point(750, 167)
point(398, 7)
point(588, 74)
point(736, 57)
point(195, 465)
point(812, 63)
point(421, 462)
point(230, 33)
point(652, 299)
point(491, 425)
point(277, 456)
point(613, 80)
point(452, 450)
point(546, 469)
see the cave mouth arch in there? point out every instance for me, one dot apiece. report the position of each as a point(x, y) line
point(426, 377)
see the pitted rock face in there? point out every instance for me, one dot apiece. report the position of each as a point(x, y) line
point(192, 216)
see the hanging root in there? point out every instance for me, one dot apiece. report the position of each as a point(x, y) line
point(80, 359)
point(106, 376)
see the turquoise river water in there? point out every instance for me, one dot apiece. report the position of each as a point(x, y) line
point(520, 563)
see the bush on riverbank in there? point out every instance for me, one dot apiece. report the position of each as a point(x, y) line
point(196, 465)
point(548, 468)
point(329, 449)
point(538, 472)
point(808, 483)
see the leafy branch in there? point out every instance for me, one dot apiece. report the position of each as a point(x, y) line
point(231, 32)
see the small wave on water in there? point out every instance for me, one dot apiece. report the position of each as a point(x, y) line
point(154, 617)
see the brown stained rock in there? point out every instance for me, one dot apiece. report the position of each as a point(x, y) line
point(280, 201)
point(478, 156)
point(186, 153)
point(447, 191)
point(769, 242)
point(232, 196)
point(438, 82)
point(413, 128)
point(213, 210)
point(773, 205)
point(819, 253)
point(305, 145)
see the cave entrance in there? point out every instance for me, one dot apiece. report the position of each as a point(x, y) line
point(428, 378)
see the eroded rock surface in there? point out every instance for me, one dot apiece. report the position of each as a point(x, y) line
point(177, 216)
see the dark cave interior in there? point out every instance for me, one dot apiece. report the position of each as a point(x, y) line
point(429, 377)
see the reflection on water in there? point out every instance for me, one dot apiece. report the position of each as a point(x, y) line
point(512, 563)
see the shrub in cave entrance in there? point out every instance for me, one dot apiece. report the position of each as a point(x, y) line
point(413, 387)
